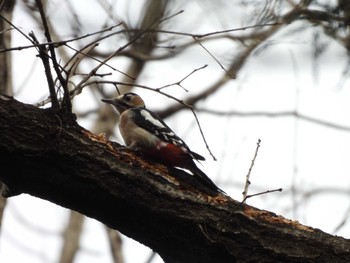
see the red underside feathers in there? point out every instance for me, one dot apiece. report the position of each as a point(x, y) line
point(170, 155)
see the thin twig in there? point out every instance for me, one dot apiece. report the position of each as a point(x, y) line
point(58, 43)
point(213, 57)
point(262, 193)
point(295, 114)
point(171, 16)
point(20, 31)
point(80, 85)
point(237, 29)
point(96, 59)
point(247, 181)
point(178, 83)
point(151, 257)
point(100, 61)
point(75, 60)
point(64, 42)
point(216, 32)
point(202, 134)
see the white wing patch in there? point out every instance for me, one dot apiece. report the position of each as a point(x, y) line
point(154, 121)
point(162, 131)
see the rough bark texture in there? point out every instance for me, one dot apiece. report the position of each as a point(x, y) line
point(51, 157)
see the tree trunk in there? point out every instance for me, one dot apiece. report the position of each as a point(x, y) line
point(6, 9)
point(50, 156)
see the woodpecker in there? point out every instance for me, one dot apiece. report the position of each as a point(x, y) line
point(144, 131)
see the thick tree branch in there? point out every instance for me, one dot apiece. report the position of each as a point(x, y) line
point(51, 157)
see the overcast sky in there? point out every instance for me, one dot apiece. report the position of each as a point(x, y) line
point(295, 152)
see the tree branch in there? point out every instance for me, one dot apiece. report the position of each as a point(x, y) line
point(292, 113)
point(67, 104)
point(50, 156)
point(43, 54)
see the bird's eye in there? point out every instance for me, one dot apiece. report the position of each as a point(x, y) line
point(127, 98)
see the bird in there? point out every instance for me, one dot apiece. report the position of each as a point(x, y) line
point(144, 131)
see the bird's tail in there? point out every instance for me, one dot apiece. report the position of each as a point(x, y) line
point(205, 179)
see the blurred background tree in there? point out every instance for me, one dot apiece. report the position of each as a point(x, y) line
point(275, 70)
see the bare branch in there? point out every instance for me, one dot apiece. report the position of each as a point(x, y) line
point(295, 114)
point(115, 242)
point(202, 134)
point(265, 192)
point(71, 237)
point(63, 42)
point(45, 59)
point(216, 60)
point(343, 221)
point(17, 29)
point(64, 82)
point(178, 83)
point(247, 181)
point(194, 35)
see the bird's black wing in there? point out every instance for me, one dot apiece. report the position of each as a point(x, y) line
point(151, 122)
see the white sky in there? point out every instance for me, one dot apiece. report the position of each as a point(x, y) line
point(281, 78)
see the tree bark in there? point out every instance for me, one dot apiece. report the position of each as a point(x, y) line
point(50, 156)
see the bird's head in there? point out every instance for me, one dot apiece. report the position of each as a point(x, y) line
point(126, 101)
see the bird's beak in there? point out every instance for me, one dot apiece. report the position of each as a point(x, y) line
point(107, 101)
point(118, 104)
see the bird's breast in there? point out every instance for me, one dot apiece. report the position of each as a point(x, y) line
point(134, 136)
